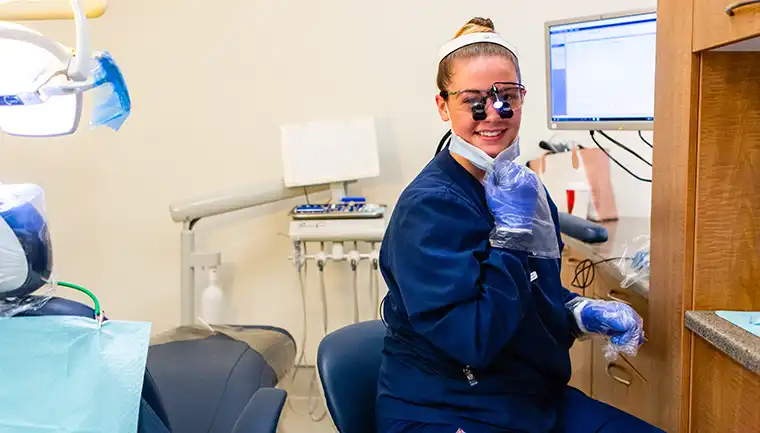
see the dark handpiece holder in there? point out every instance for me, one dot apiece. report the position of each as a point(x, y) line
point(582, 229)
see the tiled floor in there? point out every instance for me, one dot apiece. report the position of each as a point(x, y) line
point(296, 418)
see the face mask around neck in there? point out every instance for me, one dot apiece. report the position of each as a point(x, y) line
point(478, 157)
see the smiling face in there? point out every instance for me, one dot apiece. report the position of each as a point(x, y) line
point(493, 134)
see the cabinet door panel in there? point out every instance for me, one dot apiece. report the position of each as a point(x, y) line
point(725, 395)
point(713, 27)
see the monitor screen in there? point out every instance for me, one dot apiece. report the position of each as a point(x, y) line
point(600, 72)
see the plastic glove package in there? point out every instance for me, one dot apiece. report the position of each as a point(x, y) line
point(634, 262)
point(520, 207)
point(63, 374)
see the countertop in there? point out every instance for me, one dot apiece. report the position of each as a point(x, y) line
point(621, 232)
point(730, 339)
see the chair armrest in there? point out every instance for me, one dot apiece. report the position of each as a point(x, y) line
point(262, 413)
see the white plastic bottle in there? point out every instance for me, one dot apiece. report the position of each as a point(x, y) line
point(212, 300)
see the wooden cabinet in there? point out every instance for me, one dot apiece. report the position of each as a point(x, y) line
point(621, 384)
point(705, 242)
point(608, 288)
point(580, 353)
point(726, 398)
point(625, 383)
point(581, 358)
point(714, 26)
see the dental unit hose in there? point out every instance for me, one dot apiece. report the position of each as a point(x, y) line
point(301, 262)
point(354, 255)
point(321, 259)
point(96, 303)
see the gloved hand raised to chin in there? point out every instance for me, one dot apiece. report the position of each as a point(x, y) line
point(615, 320)
point(520, 207)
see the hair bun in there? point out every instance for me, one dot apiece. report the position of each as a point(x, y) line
point(476, 25)
point(482, 22)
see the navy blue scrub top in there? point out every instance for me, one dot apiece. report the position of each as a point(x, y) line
point(475, 333)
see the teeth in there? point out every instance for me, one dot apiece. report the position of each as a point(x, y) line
point(490, 134)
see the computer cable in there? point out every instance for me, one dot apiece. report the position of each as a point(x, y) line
point(645, 140)
point(624, 147)
point(585, 271)
point(615, 160)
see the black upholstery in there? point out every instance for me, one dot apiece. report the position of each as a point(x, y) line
point(59, 307)
point(227, 375)
point(349, 362)
point(262, 414)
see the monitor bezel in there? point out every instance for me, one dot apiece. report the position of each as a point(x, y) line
point(644, 125)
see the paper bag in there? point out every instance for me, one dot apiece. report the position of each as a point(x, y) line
point(583, 175)
point(61, 374)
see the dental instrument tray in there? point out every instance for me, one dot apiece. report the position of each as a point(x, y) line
point(343, 210)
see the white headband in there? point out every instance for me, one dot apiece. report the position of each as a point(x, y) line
point(473, 38)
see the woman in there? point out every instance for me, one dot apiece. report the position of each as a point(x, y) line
point(479, 332)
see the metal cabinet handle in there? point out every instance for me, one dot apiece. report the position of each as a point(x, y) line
point(619, 379)
point(615, 298)
point(740, 4)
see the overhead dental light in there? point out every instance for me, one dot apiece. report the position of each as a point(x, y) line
point(42, 82)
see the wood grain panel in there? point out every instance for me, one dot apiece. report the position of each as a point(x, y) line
point(607, 287)
point(621, 385)
point(570, 260)
point(726, 398)
point(673, 198)
point(714, 28)
point(727, 256)
point(580, 353)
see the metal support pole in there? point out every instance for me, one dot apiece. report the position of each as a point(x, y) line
point(187, 276)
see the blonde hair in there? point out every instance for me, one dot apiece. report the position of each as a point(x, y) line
point(475, 25)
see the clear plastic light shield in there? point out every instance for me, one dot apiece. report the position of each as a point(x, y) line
point(520, 207)
point(27, 58)
point(26, 257)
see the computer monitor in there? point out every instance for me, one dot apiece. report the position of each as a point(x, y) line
point(600, 72)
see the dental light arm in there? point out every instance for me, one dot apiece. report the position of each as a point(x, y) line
point(48, 10)
point(191, 211)
point(79, 68)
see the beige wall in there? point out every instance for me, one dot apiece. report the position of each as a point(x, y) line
point(211, 82)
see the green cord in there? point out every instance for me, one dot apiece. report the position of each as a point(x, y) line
point(85, 291)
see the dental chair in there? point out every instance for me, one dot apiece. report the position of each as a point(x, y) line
point(204, 381)
point(348, 362)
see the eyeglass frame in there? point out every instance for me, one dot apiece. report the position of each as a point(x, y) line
point(490, 93)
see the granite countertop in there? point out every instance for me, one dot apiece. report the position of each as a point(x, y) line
point(741, 345)
point(621, 231)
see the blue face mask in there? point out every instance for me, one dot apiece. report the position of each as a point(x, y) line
point(478, 157)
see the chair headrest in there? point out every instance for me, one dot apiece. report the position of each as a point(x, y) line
point(56, 306)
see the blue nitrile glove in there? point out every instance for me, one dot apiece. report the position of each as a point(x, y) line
point(512, 192)
point(616, 321)
point(520, 208)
